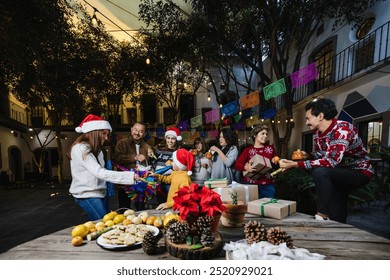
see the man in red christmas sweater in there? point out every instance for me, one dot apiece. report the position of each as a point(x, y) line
point(339, 162)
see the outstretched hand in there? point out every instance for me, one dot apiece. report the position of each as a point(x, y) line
point(162, 206)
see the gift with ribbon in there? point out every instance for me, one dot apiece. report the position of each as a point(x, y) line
point(272, 208)
point(262, 165)
point(245, 192)
point(216, 183)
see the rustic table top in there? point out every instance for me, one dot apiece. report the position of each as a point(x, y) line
point(334, 240)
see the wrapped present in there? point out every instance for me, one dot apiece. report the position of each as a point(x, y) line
point(245, 193)
point(216, 183)
point(262, 165)
point(272, 208)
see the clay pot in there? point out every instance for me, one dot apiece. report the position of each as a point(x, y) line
point(234, 215)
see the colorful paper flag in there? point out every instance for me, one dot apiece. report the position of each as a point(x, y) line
point(183, 125)
point(212, 116)
point(274, 89)
point(267, 114)
point(230, 109)
point(196, 121)
point(304, 75)
point(250, 100)
point(250, 122)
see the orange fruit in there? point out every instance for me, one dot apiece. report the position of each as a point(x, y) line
point(77, 241)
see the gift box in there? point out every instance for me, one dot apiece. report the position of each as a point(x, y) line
point(262, 165)
point(216, 183)
point(245, 193)
point(272, 208)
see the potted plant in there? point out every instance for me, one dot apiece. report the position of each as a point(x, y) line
point(234, 214)
point(193, 202)
point(195, 236)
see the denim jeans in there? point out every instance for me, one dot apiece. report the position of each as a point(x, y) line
point(267, 191)
point(332, 188)
point(95, 207)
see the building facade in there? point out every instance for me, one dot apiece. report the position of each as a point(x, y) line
point(353, 66)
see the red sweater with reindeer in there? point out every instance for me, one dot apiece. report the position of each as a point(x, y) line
point(339, 146)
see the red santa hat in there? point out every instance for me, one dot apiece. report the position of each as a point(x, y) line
point(91, 123)
point(174, 132)
point(184, 160)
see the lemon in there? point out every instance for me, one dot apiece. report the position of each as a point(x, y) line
point(109, 216)
point(109, 223)
point(126, 222)
point(80, 230)
point(171, 217)
point(150, 220)
point(99, 225)
point(158, 222)
point(119, 218)
point(90, 225)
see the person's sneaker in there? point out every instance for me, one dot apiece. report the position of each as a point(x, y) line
point(318, 217)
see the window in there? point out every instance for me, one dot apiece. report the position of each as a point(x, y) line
point(371, 132)
point(186, 106)
point(365, 28)
point(169, 116)
point(364, 52)
point(131, 115)
point(324, 63)
point(149, 105)
point(37, 116)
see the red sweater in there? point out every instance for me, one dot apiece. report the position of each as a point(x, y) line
point(268, 151)
point(339, 146)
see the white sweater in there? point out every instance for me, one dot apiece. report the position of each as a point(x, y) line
point(89, 176)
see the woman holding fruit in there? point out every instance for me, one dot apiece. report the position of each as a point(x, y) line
point(225, 154)
point(89, 176)
point(202, 164)
point(262, 148)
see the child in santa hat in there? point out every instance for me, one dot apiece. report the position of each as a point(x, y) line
point(89, 176)
point(182, 164)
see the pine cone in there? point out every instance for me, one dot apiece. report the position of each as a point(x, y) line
point(207, 238)
point(149, 243)
point(204, 223)
point(173, 221)
point(277, 236)
point(255, 232)
point(177, 232)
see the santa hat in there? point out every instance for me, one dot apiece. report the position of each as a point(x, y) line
point(91, 123)
point(174, 132)
point(183, 159)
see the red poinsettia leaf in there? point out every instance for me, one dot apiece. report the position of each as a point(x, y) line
point(194, 187)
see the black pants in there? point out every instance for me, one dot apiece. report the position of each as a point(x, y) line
point(333, 186)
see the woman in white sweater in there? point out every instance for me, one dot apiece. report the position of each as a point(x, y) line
point(89, 176)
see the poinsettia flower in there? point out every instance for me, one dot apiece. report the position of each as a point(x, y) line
point(182, 191)
point(194, 201)
point(211, 205)
point(186, 207)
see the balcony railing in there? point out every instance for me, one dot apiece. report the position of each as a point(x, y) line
point(370, 51)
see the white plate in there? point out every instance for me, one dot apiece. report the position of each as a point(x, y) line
point(101, 241)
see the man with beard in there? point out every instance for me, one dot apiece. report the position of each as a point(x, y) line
point(130, 152)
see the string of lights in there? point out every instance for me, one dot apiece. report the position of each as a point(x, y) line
point(94, 22)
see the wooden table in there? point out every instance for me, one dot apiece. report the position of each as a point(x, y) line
point(334, 240)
